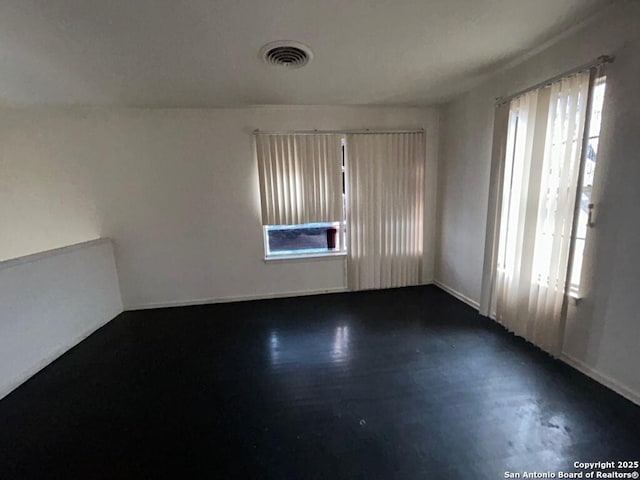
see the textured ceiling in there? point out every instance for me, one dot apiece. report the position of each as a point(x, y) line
point(203, 53)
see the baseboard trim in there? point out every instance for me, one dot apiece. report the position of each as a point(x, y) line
point(463, 298)
point(236, 298)
point(54, 355)
point(601, 378)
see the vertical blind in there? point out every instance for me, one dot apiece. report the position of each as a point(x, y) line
point(385, 177)
point(542, 161)
point(300, 178)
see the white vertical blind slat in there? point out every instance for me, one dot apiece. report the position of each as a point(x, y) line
point(540, 184)
point(385, 184)
point(300, 178)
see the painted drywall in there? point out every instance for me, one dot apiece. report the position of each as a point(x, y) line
point(603, 330)
point(51, 301)
point(177, 191)
point(45, 200)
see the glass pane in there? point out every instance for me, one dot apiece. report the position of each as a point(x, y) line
point(596, 112)
point(577, 265)
point(591, 157)
point(300, 239)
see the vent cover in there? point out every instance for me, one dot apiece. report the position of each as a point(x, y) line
point(286, 54)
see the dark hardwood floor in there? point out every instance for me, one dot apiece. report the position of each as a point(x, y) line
point(406, 383)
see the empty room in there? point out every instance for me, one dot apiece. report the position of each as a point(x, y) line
point(319, 239)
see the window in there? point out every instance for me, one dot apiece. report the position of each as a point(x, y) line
point(550, 136)
point(310, 239)
point(302, 188)
point(312, 182)
point(554, 225)
point(585, 189)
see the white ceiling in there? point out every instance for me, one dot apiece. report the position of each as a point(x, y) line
point(199, 53)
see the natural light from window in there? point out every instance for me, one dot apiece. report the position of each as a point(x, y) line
point(585, 190)
point(303, 240)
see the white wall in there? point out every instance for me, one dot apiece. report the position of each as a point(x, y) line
point(603, 331)
point(177, 191)
point(51, 301)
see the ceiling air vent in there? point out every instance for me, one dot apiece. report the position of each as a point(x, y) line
point(286, 54)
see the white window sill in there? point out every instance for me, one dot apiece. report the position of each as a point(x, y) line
point(574, 298)
point(305, 256)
